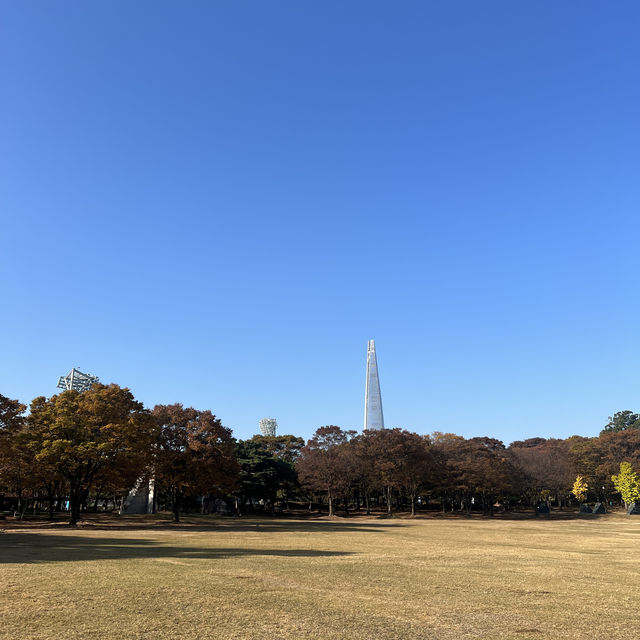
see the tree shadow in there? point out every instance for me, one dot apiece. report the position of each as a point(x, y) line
point(231, 525)
point(517, 516)
point(34, 548)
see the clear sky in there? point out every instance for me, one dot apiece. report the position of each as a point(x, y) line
point(219, 203)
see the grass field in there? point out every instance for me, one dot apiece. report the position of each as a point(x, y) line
point(344, 578)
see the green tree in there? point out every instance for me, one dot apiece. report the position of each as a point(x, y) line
point(621, 421)
point(263, 474)
point(286, 447)
point(627, 483)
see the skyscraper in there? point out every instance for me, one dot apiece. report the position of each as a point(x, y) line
point(373, 418)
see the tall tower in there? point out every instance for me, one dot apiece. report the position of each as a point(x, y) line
point(373, 418)
point(268, 426)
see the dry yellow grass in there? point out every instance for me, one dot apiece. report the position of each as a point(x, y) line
point(353, 579)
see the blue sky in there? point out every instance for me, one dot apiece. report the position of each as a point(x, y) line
point(219, 203)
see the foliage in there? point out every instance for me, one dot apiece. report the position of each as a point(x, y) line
point(544, 467)
point(621, 421)
point(103, 442)
point(286, 447)
point(580, 488)
point(627, 483)
point(75, 436)
point(267, 468)
point(324, 465)
point(14, 460)
point(193, 453)
point(396, 459)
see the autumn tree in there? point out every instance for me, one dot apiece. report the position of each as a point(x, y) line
point(528, 443)
point(78, 435)
point(394, 460)
point(597, 459)
point(488, 471)
point(580, 488)
point(543, 467)
point(627, 483)
point(447, 452)
point(416, 467)
point(474, 468)
point(13, 459)
point(324, 464)
point(193, 454)
point(363, 475)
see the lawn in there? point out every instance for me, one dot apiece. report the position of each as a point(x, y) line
point(344, 578)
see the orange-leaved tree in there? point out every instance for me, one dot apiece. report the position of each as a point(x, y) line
point(194, 454)
point(76, 436)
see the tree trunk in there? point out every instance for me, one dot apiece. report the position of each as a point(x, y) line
point(75, 500)
point(52, 505)
point(413, 504)
point(176, 504)
point(330, 501)
point(388, 495)
point(19, 505)
point(367, 503)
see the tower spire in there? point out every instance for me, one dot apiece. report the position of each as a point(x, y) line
point(373, 418)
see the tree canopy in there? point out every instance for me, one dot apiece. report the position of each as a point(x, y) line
point(75, 436)
point(104, 442)
point(622, 420)
point(193, 452)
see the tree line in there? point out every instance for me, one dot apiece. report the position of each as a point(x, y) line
point(75, 451)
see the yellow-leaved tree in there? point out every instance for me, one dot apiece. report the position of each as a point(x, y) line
point(627, 484)
point(580, 488)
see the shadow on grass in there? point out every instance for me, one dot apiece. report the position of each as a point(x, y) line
point(33, 548)
point(212, 523)
point(516, 515)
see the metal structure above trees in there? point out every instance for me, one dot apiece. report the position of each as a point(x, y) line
point(77, 381)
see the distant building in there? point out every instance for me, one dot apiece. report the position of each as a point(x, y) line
point(373, 418)
point(268, 426)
